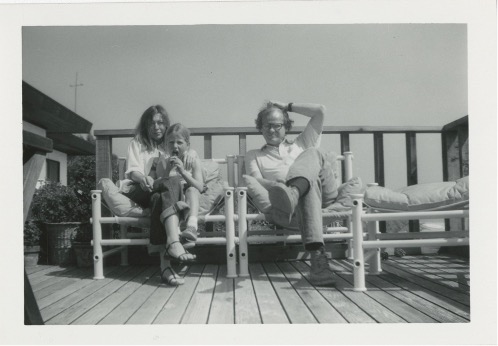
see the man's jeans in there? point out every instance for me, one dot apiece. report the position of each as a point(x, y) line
point(312, 166)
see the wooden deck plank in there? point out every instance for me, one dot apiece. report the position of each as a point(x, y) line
point(449, 262)
point(408, 290)
point(351, 312)
point(454, 259)
point(133, 302)
point(296, 309)
point(436, 298)
point(460, 297)
point(373, 308)
point(457, 273)
point(174, 309)
point(246, 306)
point(48, 274)
point(117, 297)
point(222, 306)
point(317, 304)
point(94, 299)
point(46, 269)
point(56, 308)
point(60, 283)
point(269, 305)
point(397, 306)
point(198, 309)
point(88, 303)
point(65, 291)
point(149, 310)
point(432, 273)
point(425, 306)
point(33, 269)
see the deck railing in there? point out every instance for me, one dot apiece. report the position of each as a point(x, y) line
point(454, 140)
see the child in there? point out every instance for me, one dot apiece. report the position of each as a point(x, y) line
point(173, 163)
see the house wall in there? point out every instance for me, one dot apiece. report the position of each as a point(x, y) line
point(62, 159)
point(54, 155)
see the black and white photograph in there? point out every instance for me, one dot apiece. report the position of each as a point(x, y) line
point(220, 166)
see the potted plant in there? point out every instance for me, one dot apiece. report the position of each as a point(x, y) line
point(31, 243)
point(63, 212)
point(81, 244)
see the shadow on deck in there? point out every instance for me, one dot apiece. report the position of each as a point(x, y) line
point(411, 289)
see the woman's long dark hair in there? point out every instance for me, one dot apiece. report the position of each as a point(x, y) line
point(142, 129)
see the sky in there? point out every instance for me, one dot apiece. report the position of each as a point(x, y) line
point(220, 75)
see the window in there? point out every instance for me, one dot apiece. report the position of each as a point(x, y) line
point(53, 171)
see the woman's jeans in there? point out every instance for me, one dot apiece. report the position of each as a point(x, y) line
point(312, 166)
point(166, 199)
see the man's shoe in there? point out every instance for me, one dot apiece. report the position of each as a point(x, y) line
point(321, 274)
point(284, 200)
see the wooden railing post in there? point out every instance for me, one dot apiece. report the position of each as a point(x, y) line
point(463, 146)
point(412, 179)
point(208, 147)
point(121, 167)
point(242, 144)
point(103, 157)
point(379, 158)
point(378, 138)
point(103, 166)
point(455, 151)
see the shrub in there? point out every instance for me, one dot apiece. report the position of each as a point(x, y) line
point(32, 233)
point(56, 203)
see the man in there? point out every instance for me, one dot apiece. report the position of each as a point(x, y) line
point(299, 179)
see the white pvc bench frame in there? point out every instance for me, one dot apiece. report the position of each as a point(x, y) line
point(369, 250)
point(230, 240)
point(342, 233)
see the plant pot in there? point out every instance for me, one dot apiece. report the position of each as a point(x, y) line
point(58, 242)
point(31, 254)
point(84, 254)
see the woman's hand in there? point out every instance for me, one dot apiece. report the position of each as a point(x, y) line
point(146, 183)
point(190, 156)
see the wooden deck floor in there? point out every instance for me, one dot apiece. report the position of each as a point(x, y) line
point(412, 289)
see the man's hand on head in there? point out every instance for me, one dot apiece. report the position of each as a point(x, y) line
point(278, 104)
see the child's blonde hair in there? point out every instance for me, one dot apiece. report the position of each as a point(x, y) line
point(180, 129)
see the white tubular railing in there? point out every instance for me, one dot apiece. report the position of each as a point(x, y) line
point(130, 239)
point(98, 257)
point(231, 170)
point(358, 260)
point(242, 227)
point(373, 244)
point(230, 234)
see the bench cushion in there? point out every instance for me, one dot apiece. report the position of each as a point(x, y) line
point(119, 204)
point(419, 196)
point(344, 202)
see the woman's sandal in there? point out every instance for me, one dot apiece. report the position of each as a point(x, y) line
point(172, 279)
point(175, 251)
point(189, 233)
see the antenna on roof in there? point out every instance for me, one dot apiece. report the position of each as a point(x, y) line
point(75, 86)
